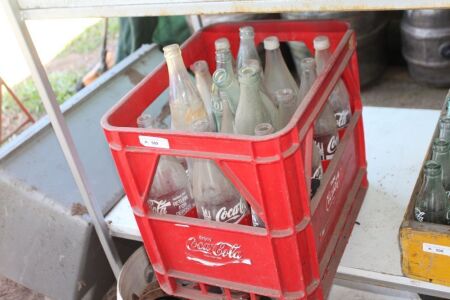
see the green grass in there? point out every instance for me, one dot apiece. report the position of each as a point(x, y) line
point(63, 84)
point(92, 38)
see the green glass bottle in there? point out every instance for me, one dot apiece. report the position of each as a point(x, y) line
point(441, 154)
point(432, 202)
point(444, 128)
point(251, 110)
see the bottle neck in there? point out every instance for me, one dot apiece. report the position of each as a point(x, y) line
point(308, 77)
point(322, 57)
point(175, 65)
point(432, 181)
point(250, 89)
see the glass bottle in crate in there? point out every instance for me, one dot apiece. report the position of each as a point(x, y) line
point(444, 128)
point(247, 49)
point(339, 98)
point(251, 110)
point(326, 135)
point(215, 196)
point(217, 106)
point(203, 82)
point(276, 73)
point(227, 125)
point(228, 88)
point(441, 154)
point(186, 105)
point(170, 192)
point(261, 130)
point(432, 202)
point(222, 45)
point(287, 104)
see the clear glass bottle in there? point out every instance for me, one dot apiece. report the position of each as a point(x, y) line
point(229, 89)
point(339, 98)
point(444, 128)
point(287, 104)
point(186, 105)
point(203, 82)
point(215, 196)
point(217, 106)
point(247, 49)
point(276, 73)
point(307, 77)
point(170, 192)
point(261, 130)
point(222, 45)
point(251, 110)
point(432, 202)
point(227, 125)
point(441, 154)
point(326, 134)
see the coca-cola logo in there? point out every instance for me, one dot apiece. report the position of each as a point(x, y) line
point(332, 144)
point(331, 196)
point(208, 252)
point(227, 215)
point(342, 118)
point(160, 207)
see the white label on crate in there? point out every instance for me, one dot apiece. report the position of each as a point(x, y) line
point(206, 251)
point(436, 249)
point(154, 142)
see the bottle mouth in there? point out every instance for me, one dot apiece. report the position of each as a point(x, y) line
point(321, 43)
point(432, 168)
point(200, 126)
point(441, 145)
point(308, 63)
point(220, 77)
point(199, 66)
point(285, 96)
point(246, 32)
point(222, 44)
point(171, 50)
point(248, 74)
point(271, 43)
point(263, 129)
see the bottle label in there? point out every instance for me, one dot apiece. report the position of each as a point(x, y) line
point(233, 214)
point(177, 203)
point(327, 145)
point(420, 215)
point(315, 180)
point(342, 118)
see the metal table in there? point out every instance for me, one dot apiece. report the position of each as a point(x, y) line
point(396, 143)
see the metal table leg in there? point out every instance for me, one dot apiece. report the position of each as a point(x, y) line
point(61, 130)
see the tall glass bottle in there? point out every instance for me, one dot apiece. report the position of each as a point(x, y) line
point(247, 49)
point(261, 130)
point(227, 125)
point(222, 45)
point(217, 106)
point(444, 128)
point(326, 134)
point(339, 98)
point(432, 202)
point(186, 105)
point(441, 154)
point(215, 196)
point(228, 88)
point(203, 82)
point(287, 104)
point(277, 75)
point(170, 192)
point(251, 110)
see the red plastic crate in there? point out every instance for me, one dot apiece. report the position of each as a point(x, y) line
point(297, 254)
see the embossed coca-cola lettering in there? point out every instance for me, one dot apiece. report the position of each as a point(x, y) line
point(214, 253)
point(331, 196)
point(178, 202)
point(224, 214)
point(327, 145)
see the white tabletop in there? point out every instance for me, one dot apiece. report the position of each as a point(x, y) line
point(396, 143)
